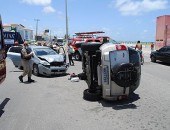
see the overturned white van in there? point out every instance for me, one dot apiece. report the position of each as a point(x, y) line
point(112, 71)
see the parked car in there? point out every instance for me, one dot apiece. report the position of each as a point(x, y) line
point(163, 54)
point(45, 61)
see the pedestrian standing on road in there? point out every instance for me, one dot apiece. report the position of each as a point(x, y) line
point(70, 54)
point(152, 47)
point(26, 56)
point(138, 46)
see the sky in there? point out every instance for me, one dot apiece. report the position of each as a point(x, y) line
point(122, 20)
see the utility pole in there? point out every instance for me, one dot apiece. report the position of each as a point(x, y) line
point(37, 20)
point(66, 22)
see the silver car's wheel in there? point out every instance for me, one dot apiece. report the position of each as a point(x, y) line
point(35, 70)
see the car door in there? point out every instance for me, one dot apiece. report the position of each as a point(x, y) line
point(61, 51)
point(14, 53)
point(161, 54)
point(167, 55)
point(34, 59)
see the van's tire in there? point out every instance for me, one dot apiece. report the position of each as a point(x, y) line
point(77, 56)
point(90, 46)
point(89, 96)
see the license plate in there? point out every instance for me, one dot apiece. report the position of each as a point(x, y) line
point(105, 75)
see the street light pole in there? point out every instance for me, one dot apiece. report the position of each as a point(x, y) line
point(50, 36)
point(36, 27)
point(66, 22)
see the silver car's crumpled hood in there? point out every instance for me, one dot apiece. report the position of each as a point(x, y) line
point(53, 58)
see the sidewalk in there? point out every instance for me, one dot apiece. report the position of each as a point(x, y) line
point(146, 50)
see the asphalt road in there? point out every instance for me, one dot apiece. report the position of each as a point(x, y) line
point(56, 103)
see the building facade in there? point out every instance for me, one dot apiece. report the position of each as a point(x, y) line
point(26, 34)
point(162, 31)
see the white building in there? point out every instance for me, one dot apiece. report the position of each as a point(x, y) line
point(26, 34)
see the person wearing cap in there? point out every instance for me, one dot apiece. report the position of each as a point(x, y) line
point(26, 62)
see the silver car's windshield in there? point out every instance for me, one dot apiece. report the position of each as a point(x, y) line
point(44, 51)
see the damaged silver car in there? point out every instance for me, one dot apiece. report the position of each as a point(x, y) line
point(47, 62)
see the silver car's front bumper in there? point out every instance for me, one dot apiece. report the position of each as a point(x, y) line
point(52, 70)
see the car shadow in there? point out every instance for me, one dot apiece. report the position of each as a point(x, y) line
point(2, 105)
point(163, 63)
point(54, 76)
point(120, 105)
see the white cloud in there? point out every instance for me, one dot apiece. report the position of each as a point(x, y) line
point(145, 31)
point(48, 9)
point(37, 2)
point(137, 21)
point(136, 7)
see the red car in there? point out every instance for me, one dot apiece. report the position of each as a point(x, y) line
point(86, 37)
point(77, 54)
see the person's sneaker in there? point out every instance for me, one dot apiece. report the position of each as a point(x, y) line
point(30, 80)
point(21, 78)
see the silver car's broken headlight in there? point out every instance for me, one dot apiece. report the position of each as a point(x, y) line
point(45, 63)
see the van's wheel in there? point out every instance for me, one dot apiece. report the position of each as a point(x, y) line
point(125, 78)
point(35, 70)
point(77, 56)
point(90, 46)
point(153, 59)
point(92, 96)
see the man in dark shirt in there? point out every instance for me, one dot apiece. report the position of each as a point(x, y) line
point(26, 62)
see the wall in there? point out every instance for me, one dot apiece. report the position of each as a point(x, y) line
point(162, 31)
